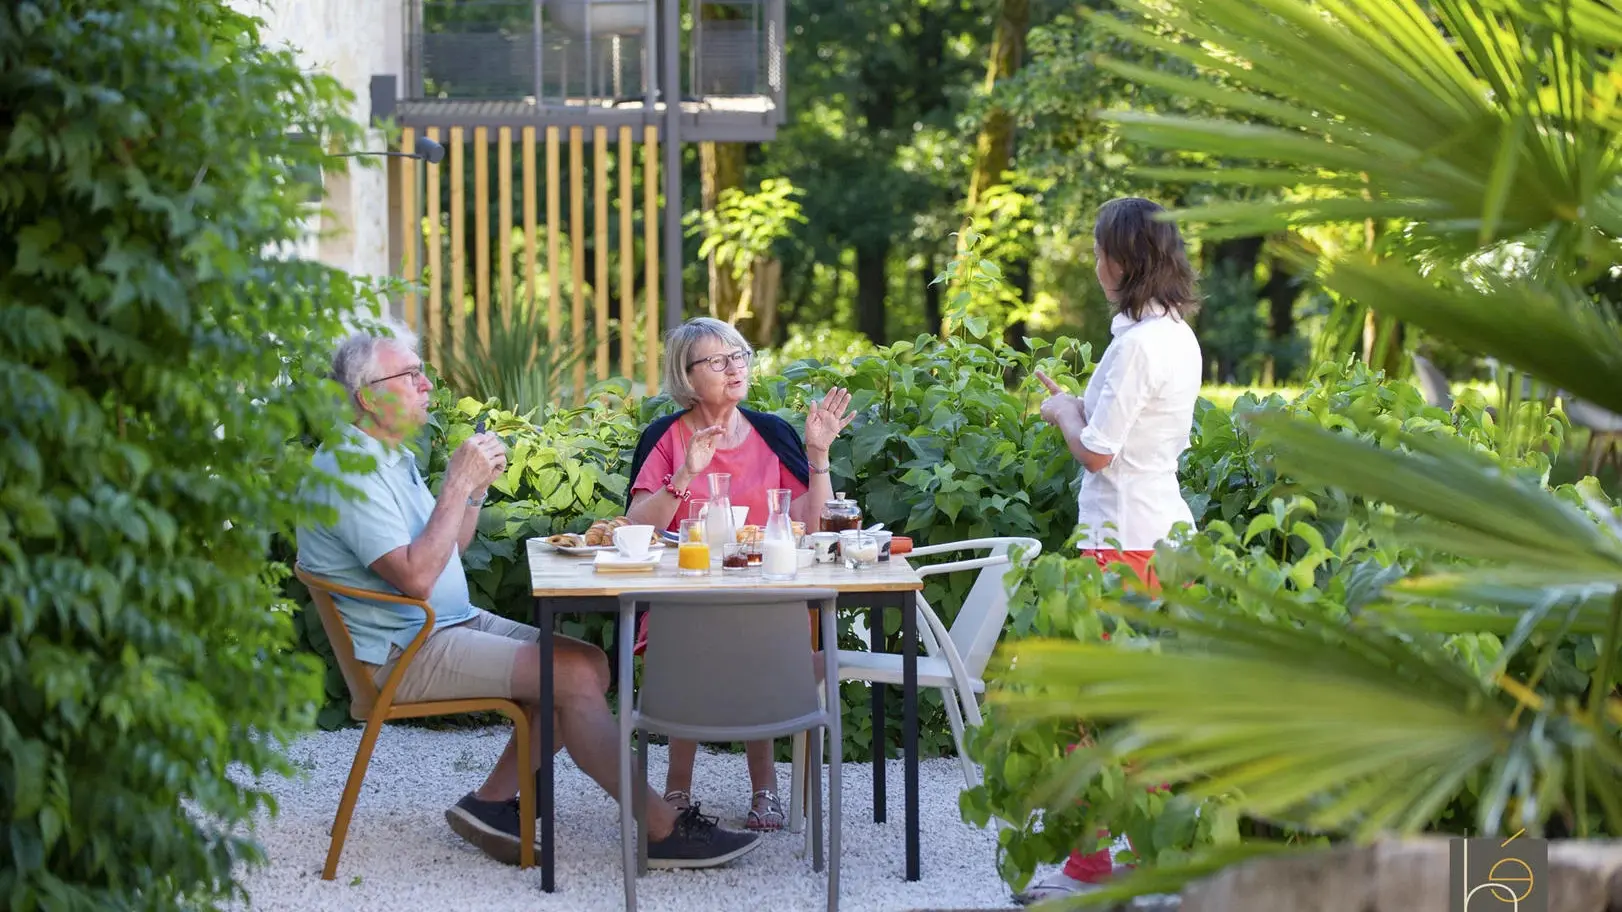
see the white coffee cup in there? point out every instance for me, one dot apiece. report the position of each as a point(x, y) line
point(633, 542)
point(740, 517)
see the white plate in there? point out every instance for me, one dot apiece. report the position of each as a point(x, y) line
point(611, 562)
point(584, 550)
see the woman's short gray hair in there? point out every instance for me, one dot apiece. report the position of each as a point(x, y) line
point(354, 364)
point(679, 346)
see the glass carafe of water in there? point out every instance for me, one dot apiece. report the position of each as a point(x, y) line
point(718, 529)
point(777, 558)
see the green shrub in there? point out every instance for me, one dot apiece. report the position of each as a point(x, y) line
point(1268, 546)
point(145, 197)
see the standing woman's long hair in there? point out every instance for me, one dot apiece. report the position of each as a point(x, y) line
point(1149, 255)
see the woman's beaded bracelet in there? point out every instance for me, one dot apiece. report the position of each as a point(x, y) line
point(670, 485)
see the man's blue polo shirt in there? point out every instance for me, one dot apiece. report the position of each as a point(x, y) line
point(391, 510)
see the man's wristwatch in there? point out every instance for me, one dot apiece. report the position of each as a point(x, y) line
point(477, 501)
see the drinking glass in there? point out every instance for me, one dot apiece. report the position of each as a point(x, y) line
point(692, 552)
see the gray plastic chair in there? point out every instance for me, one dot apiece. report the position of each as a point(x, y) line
point(728, 666)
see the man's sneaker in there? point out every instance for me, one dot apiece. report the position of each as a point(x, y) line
point(699, 842)
point(492, 826)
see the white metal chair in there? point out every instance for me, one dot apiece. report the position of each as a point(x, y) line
point(1604, 432)
point(1432, 382)
point(952, 661)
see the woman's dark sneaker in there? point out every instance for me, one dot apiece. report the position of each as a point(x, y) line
point(491, 826)
point(699, 841)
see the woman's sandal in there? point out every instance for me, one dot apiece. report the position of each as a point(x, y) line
point(679, 799)
point(765, 813)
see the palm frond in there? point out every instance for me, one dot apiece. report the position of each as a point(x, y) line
point(1274, 734)
point(1471, 506)
point(1477, 120)
point(1561, 342)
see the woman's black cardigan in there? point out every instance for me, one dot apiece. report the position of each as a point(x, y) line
point(778, 434)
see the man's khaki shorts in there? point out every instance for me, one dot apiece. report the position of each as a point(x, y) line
point(472, 659)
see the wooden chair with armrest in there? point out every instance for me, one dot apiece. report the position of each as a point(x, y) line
point(374, 706)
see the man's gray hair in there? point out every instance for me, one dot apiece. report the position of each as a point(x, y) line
point(679, 345)
point(354, 364)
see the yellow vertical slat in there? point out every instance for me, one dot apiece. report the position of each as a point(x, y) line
point(627, 250)
point(599, 287)
point(481, 238)
point(458, 248)
point(410, 229)
point(504, 243)
point(530, 273)
point(553, 311)
point(505, 221)
point(436, 279)
point(577, 255)
point(650, 254)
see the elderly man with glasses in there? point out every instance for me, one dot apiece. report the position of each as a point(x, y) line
point(706, 371)
point(397, 536)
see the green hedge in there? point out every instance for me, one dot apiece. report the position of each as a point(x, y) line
point(147, 326)
point(1276, 548)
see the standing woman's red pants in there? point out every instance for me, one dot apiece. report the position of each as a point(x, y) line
point(1095, 867)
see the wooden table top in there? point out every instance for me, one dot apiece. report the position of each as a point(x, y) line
point(555, 575)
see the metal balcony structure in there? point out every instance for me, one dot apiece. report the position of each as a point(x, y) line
point(590, 63)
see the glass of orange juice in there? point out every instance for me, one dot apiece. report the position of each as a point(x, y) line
point(692, 552)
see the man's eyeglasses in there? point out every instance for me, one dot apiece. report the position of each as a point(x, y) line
point(414, 373)
point(719, 363)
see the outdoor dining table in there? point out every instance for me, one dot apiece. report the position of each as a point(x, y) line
point(562, 584)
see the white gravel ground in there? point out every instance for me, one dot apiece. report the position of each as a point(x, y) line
point(401, 856)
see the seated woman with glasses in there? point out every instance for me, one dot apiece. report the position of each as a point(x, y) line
point(707, 372)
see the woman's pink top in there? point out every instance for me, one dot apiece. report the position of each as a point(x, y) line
point(752, 464)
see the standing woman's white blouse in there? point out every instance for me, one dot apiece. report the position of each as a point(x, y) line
point(1140, 407)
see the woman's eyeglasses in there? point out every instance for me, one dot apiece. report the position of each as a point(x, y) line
point(719, 363)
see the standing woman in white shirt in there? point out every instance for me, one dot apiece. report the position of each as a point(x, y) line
point(1132, 422)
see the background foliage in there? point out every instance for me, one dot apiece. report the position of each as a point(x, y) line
point(146, 193)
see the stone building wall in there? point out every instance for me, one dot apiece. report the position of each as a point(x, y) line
point(352, 40)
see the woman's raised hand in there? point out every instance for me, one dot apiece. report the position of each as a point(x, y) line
point(701, 449)
point(1059, 403)
point(824, 420)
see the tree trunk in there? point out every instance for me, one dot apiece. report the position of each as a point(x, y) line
point(872, 278)
point(1019, 276)
point(932, 295)
point(721, 168)
point(766, 288)
point(1238, 254)
point(1381, 351)
point(995, 146)
point(1281, 292)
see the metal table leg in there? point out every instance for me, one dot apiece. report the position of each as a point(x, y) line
point(544, 806)
point(875, 644)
